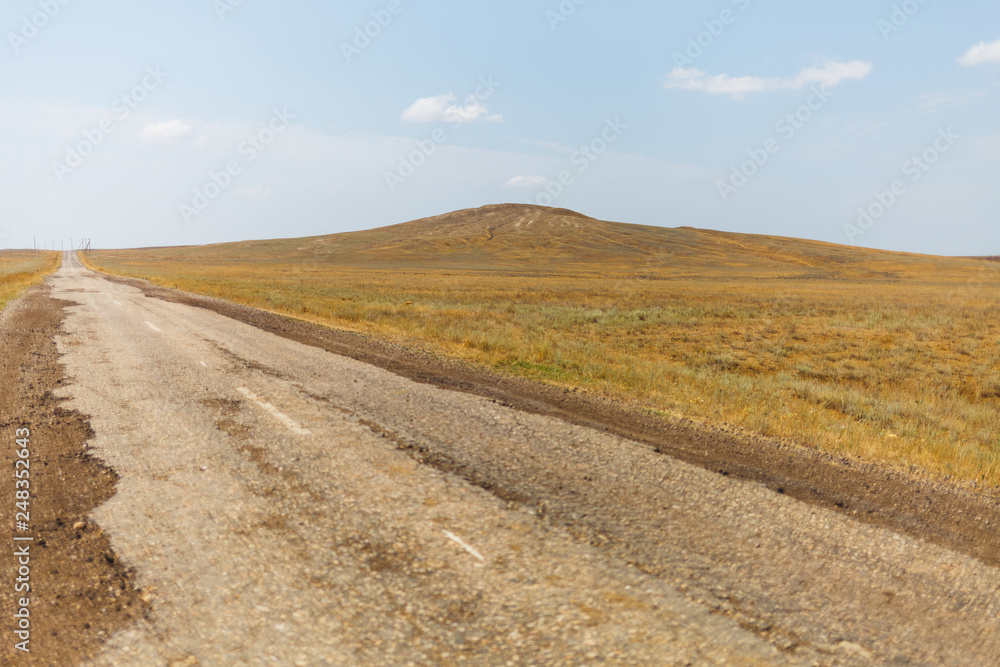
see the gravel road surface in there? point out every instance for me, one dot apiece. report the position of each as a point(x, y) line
point(281, 505)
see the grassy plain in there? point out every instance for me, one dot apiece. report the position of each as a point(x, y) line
point(20, 269)
point(887, 357)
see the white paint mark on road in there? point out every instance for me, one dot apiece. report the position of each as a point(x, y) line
point(458, 540)
point(289, 423)
point(153, 327)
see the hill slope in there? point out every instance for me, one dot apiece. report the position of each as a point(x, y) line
point(519, 237)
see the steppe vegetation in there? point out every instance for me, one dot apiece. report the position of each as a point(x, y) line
point(19, 269)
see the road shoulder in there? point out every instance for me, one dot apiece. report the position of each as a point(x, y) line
point(81, 594)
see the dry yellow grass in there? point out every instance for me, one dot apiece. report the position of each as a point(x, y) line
point(884, 356)
point(19, 269)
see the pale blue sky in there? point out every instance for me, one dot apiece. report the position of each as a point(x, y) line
point(336, 130)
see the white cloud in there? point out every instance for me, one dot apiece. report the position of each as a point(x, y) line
point(428, 109)
point(527, 181)
point(444, 108)
point(829, 75)
point(172, 129)
point(982, 53)
point(255, 191)
point(469, 112)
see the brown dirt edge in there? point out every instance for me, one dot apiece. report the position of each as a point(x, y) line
point(964, 519)
point(81, 593)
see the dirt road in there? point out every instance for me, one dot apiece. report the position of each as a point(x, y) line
point(278, 506)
